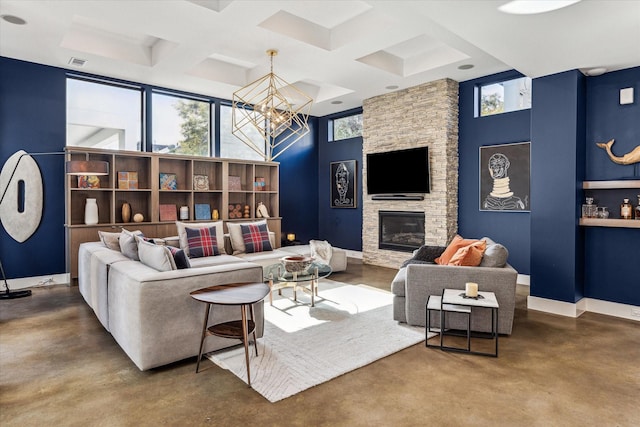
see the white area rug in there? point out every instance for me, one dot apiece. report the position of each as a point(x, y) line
point(350, 327)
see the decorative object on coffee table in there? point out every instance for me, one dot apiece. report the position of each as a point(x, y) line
point(296, 263)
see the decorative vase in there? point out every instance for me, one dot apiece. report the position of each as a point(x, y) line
point(184, 212)
point(215, 215)
point(126, 212)
point(91, 212)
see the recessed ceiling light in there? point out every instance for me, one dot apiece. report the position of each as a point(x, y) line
point(531, 7)
point(466, 67)
point(12, 19)
point(336, 102)
point(598, 71)
point(391, 87)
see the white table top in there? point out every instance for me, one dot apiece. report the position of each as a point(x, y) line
point(455, 296)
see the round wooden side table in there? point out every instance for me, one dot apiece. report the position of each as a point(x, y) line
point(242, 294)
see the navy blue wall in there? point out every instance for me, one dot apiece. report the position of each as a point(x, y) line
point(340, 226)
point(298, 187)
point(611, 254)
point(557, 157)
point(32, 118)
point(509, 228)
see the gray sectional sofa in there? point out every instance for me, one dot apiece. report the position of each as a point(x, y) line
point(151, 314)
point(415, 282)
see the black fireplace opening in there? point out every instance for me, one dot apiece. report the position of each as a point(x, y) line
point(400, 231)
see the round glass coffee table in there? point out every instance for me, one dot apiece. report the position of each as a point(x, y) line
point(306, 280)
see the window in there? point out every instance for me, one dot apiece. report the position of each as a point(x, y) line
point(503, 97)
point(345, 127)
point(180, 125)
point(232, 147)
point(102, 115)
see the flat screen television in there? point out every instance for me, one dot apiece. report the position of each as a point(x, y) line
point(399, 172)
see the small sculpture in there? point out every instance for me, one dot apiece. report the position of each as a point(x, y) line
point(630, 158)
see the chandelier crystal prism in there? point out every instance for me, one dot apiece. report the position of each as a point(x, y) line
point(277, 110)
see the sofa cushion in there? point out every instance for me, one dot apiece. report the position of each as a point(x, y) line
point(128, 244)
point(398, 283)
point(456, 243)
point(110, 240)
point(155, 256)
point(182, 234)
point(179, 257)
point(255, 238)
point(469, 256)
point(202, 242)
point(236, 237)
point(425, 254)
point(495, 255)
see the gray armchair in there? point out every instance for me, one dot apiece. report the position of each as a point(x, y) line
point(414, 283)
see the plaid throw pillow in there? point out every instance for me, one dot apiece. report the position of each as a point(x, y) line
point(256, 238)
point(202, 242)
point(179, 257)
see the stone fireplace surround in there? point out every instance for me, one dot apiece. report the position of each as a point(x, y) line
point(424, 115)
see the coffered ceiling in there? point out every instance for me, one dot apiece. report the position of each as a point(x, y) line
point(339, 52)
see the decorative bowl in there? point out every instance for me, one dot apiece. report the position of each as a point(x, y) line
point(296, 263)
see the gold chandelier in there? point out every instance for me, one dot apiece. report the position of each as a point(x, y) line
point(277, 110)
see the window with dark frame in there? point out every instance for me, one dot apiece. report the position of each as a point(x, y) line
point(345, 127)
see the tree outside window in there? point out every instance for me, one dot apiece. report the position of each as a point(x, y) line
point(180, 125)
point(347, 127)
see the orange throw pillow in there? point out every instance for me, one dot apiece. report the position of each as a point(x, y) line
point(457, 243)
point(469, 256)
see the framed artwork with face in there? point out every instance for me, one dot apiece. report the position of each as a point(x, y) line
point(505, 177)
point(343, 184)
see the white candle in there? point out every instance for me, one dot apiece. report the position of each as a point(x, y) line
point(471, 289)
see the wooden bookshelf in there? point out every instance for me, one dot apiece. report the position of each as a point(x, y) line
point(147, 195)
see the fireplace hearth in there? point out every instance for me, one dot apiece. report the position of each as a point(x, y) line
point(401, 231)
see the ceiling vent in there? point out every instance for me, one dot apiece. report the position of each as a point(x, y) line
point(77, 62)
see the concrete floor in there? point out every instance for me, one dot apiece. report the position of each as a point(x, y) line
point(59, 367)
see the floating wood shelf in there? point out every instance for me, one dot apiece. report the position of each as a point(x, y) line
point(610, 222)
point(611, 185)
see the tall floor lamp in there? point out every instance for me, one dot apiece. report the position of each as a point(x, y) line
point(74, 167)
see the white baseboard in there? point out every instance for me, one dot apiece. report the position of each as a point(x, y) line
point(37, 281)
point(524, 279)
point(625, 311)
point(353, 254)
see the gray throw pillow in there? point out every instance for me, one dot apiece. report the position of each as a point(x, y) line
point(155, 256)
point(128, 244)
point(495, 256)
point(110, 240)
